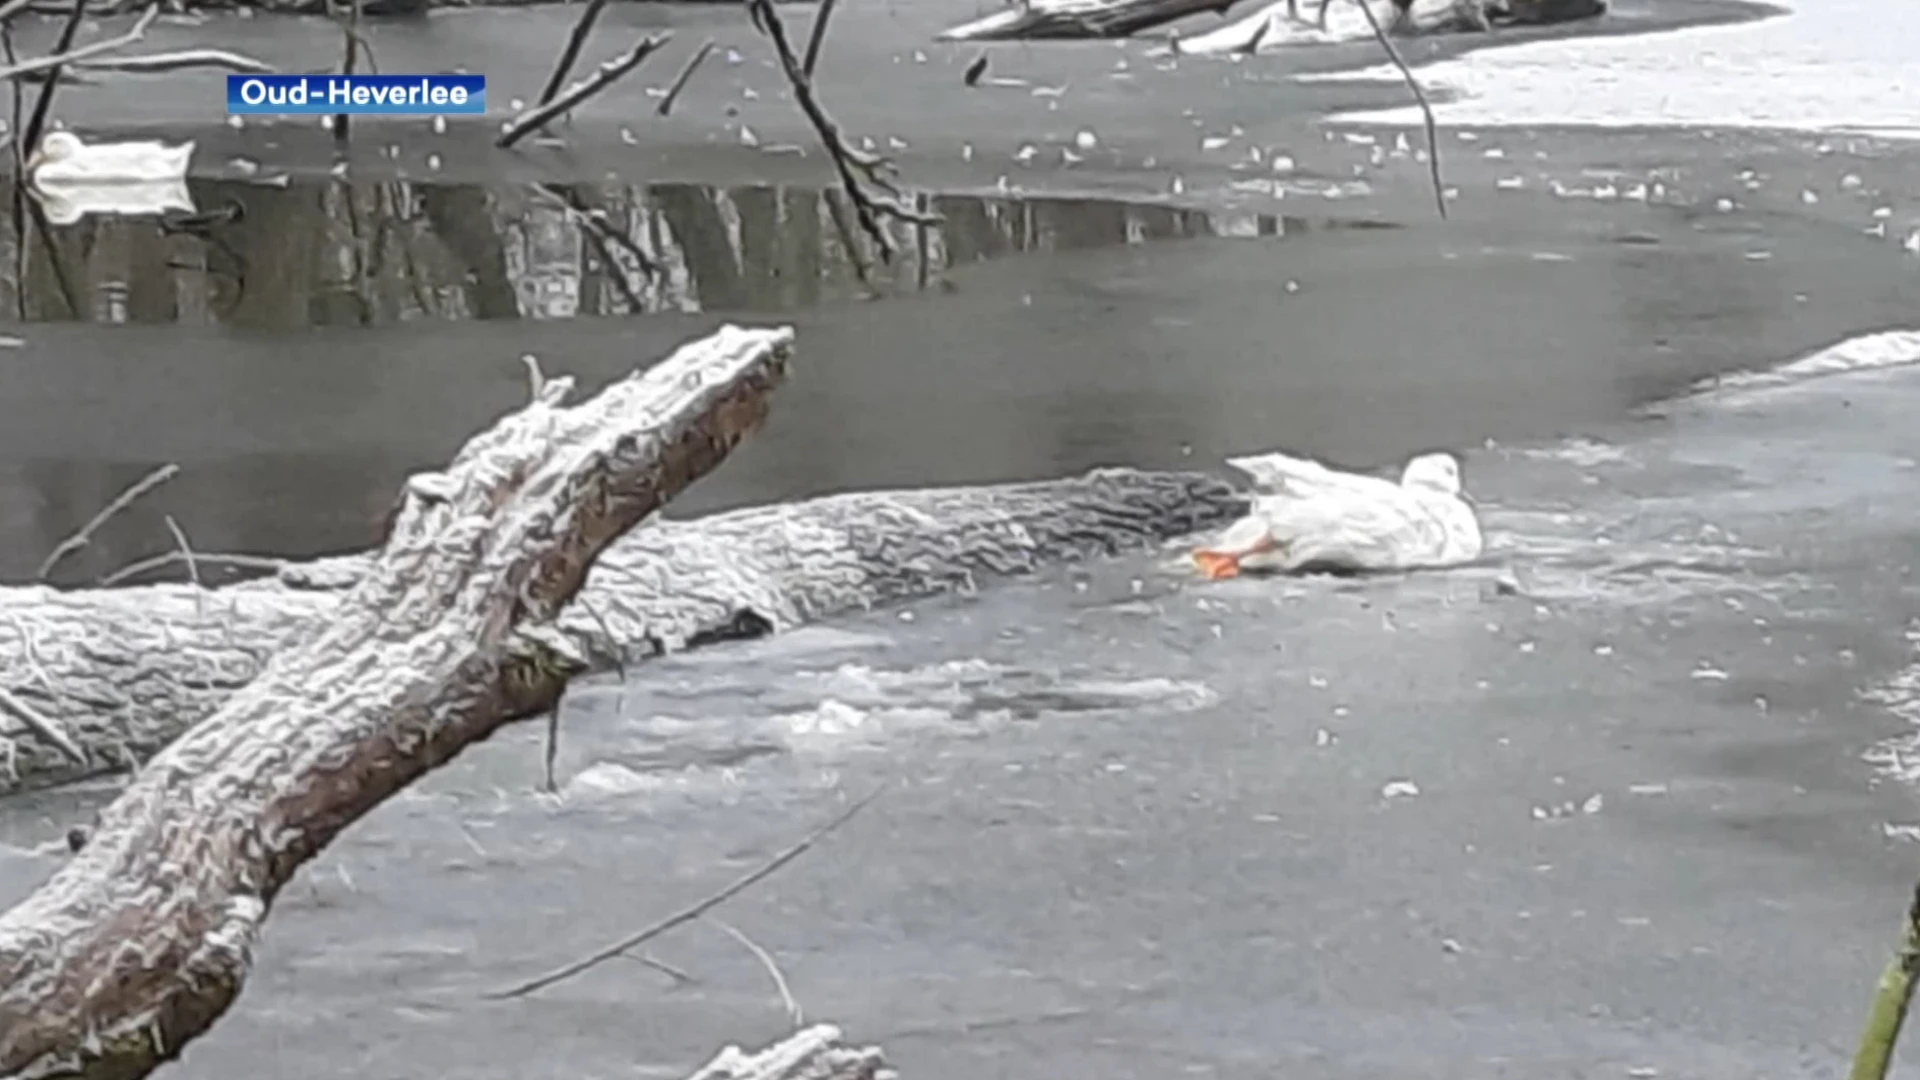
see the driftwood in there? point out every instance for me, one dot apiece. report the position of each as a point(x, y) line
point(124, 671)
point(144, 939)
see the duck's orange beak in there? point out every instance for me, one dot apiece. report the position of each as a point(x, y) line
point(1216, 565)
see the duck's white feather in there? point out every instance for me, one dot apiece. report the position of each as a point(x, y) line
point(1308, 516)
point(1276, 473)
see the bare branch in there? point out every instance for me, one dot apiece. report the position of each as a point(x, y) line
point(80, 539)
point(446, 636)
point(537, 117)
point(68, 54)
point(817, 37)
point(1419, 95)
point(794, 1015)
point(853, 166)
point(688, 914)
point(686, 75)
point(179, 60)
point(576, 40)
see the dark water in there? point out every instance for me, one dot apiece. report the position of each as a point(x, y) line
point(298, 350)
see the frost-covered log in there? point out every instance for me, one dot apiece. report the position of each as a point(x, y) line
point(815, 1053)
point(124, 671)
point(1276, 27)
point(144, 939)
point(1038, 19)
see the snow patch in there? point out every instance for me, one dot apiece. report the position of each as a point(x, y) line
point(1838, 65)
point(1867, 352)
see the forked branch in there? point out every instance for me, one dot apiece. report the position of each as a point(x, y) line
point(448, 635)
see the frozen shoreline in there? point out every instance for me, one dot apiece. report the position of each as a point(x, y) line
point(1821, 65)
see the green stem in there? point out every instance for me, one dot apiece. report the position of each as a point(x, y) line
point(1890, 1002)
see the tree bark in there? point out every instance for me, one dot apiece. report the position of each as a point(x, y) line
point(1043, 19)
point(124, 671)
point(144, 939)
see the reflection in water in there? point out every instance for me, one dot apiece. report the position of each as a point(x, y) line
point(374, 253)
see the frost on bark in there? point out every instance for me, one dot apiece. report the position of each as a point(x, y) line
point(125, 671)
point(143, 940)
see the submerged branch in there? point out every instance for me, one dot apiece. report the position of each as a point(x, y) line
point(570, 54)
point(693, 911)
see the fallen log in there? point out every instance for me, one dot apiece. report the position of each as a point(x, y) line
point(123, 671)
point(1274, 27)
point(144, 939)
point(1066, 19)
point(1277, 25)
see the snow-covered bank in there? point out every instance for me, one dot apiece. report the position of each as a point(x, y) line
point(1824, 65)
point(1865, 352)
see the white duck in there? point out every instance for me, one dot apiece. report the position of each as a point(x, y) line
point(1306, 516)
point(63, 158)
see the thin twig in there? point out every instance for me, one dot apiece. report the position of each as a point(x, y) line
point(193, 566)
point(922, 243)
point(851, 165)
point(666, 969)
point(40, 725)
point(18, 206)
point(12, 8)
point(794, 1015)
point(67, 56)
point(649, 960)
point(576, 40)
point(536, 118)
point(816, 37)
point(688, 914)
point(686, 75)
point(1419, 95)
point(180, 60)
point(553, 740)
point(81, 538)
point(202, 558)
